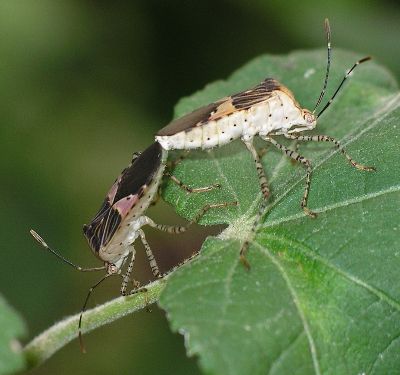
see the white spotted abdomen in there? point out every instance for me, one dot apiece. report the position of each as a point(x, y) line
point(277, 114)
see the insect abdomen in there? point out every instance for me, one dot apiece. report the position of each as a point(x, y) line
point(277, 113)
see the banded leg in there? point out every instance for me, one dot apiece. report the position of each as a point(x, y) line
point(325, 138)
point(260, 170)
point(245, 245)
point(125, 278)
point(143, 289)
point(189, 189)
point(296, 147)
point(177, 229)
point(173, 163)
point(183, 186)
point(307, 164)
point(262, 152)
point(150, 257)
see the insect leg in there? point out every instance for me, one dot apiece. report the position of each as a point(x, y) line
point(245, 246)
point(189, 189)
point(173, 164)
point(325, 138)
point(307, 164)
point(125, 278)
point(260, 170)
point(177, 229)
point(150, 257)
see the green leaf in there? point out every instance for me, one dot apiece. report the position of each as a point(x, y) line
point(11, 327)
point(322, 295)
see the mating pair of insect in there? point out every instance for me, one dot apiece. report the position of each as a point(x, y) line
point(267, 110)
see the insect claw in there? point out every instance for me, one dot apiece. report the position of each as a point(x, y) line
point(365, 168)
point(245, 262)
point(138, 290)
point(310, 213)
point(366, 58)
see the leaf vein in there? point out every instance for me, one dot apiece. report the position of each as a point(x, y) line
point(222, 174)
point(314, 256)
point(359, 199)
point(296, 302)
point(380, 355)
point(283, 353)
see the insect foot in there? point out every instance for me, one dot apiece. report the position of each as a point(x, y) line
point(242, 256)
point(364, 167)
point(310, 213)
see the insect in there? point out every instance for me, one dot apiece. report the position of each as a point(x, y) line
point(118, 223)
point(267, 110)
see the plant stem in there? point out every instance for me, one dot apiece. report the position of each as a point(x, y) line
point(48, 342)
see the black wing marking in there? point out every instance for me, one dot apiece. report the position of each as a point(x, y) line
point(138, 174)
point(223, 107)
point(141, 172)
point(103, 210)
point(189, 121)
point(98, 233)
point(259, 93)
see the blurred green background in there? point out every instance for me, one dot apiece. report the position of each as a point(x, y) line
point(84, 84)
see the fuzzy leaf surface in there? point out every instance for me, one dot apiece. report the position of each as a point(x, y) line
point(322, 295)
point(11, 328)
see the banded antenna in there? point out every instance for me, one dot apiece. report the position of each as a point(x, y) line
point(328, 64)
point(81, 344)
point(364, 59)
point(41, 242)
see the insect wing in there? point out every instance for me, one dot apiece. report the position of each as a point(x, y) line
point(189, 121)
point(258, 94)
point(100, 231)
point(224, 107)
point(122, 197)
point(140, 173)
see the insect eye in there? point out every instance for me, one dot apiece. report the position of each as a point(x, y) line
point(112, 268)
point(309, 117)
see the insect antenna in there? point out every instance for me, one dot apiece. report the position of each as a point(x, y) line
point(328, 64)
point(364, 59)
point(82, 346)
point(41, 241)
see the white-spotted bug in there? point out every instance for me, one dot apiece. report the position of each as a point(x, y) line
point(267, 110)
point(112, 232)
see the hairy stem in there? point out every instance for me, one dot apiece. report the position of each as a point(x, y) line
point(54, 338)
